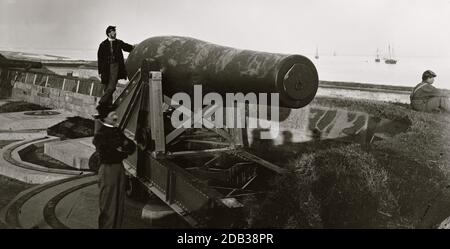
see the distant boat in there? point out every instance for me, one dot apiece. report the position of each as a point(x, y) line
point(390, 60)
point(378, 57)
point(317, 53)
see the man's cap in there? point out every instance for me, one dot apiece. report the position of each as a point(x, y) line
point(104, 109)
point(428, 74)
point(109, 28)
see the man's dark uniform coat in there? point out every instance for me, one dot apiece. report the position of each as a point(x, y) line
point(113, 147)
point(104, 55)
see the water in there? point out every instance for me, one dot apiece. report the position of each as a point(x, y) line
point(362, 69)
point(88, 54)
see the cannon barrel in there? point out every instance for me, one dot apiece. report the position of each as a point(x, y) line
point(186, 61)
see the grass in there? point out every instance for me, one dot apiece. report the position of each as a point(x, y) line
point(386, 184)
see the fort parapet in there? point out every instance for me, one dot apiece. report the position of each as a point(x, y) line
point(80, 95)
point(76, 95)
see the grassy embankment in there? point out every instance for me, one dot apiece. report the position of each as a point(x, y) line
point(386, 184)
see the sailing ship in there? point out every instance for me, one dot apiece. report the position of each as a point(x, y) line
point(390, 60)
point(378, 57)
point(317, 53)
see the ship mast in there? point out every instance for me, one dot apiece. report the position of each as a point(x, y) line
point(390, 55)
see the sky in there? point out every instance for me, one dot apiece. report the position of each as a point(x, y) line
point(347, 27)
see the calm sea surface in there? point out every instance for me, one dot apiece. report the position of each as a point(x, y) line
point(407, 72)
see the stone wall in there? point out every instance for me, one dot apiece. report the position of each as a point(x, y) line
point(76, 95)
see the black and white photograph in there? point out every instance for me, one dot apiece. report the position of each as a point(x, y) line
point(215, 114)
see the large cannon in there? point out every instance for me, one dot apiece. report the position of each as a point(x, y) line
point(186, 61)
point(204, 173)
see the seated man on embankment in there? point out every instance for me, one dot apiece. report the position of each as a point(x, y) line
point(428, 98)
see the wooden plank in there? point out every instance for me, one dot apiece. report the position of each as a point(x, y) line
point(243, 187)
point(206, 142)
point(130, 108)
point(136, 75)
point(64, 84)
point(211, 161)
point(260, 161)
point(130, 86)
point(197, 152)
point(156, 112)
point(92, 89)
point(133, 101)
point(78, 86)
